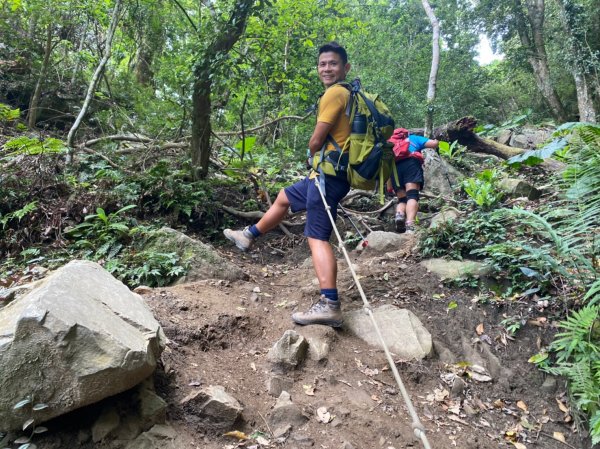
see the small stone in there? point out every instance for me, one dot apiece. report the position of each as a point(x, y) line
point(346, 445)
point(457, 387)
point(142, 290)
point(282, 431)
point(549, 385)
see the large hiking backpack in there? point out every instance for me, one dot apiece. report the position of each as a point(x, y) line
point(370, 156)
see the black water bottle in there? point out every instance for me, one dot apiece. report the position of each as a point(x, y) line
point(359, 124)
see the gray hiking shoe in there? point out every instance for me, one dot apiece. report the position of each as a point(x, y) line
point(400, 221)
point(243, 238)
point(325, 312)
point(411, 228)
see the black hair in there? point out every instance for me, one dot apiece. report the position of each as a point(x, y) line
point(335, 48)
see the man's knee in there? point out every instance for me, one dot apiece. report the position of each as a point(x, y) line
point(412, 194)
point(402, 199)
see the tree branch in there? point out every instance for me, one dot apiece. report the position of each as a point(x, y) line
point(186, 15)
point(264, 125)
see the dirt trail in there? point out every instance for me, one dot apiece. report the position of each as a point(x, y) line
point(221, 332)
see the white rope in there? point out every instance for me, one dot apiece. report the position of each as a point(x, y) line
point(417, 426)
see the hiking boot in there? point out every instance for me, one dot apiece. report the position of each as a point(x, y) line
point(400, 223)
point(325, 312)
point(243, 239)
point(411, 228)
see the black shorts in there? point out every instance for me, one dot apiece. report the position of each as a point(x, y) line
point(409, 170)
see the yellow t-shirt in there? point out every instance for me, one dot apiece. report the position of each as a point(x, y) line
point(332, 109)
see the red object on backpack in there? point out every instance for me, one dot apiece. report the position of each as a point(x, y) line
point(402, 145)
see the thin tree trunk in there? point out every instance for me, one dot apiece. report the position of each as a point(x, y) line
point(225, 38)
point(79, 49)
point(575, 56)
point(97, 74)
point(32, 113)
point(435, 63)
point(532, 39)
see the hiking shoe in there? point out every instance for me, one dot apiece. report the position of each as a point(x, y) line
point(411, 228)
point(243, 238)
point(400, 223)
point(325, 312)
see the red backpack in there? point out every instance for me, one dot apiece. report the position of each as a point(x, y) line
point(402, 148)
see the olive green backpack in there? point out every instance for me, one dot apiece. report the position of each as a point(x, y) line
point(367, 156)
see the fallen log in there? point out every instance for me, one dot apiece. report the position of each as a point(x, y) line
point(461, 130)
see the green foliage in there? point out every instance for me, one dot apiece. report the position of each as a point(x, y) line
point(577, 349)
point(493, 130)
point(453, 151)
point(483, 189)
point(512, 324)
point(29, 425)
point(459, 238)
point(18, 214)
point(7, 114)
point(148, 268)
point(101, 234)
point(33, 146)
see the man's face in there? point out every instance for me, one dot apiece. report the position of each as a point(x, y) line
point(331, 69)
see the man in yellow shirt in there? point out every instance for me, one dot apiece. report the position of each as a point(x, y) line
point(332, 67)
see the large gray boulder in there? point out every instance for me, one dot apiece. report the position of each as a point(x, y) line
point(381, 242)
point(204, 262)
point(78, 337)
point(529, 138)
point(440, 176)
point(517, 188)
point(402, 331)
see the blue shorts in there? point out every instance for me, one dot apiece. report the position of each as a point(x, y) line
point(409, 170)
point(304, 195)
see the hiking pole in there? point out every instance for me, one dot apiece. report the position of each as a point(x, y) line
point(417, 426)
point(365, 242)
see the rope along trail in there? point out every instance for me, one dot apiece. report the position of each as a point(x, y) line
point(416, 424)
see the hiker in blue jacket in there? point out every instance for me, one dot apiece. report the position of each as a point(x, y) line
point(409, 167)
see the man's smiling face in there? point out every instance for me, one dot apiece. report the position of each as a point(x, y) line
point(331, 69)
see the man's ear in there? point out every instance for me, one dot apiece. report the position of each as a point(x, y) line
point(347, 68)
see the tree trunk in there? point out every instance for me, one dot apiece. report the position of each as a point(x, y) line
point(97, 74)
point(226, 36)
point(32, 113)
point(461, 131)
point(530, 27)
point(435, 62)
point(576, 54)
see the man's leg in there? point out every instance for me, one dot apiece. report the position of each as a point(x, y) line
point(400, 218)
point(324, 262)
point(244, 238)
point(275, 214)
point(318, 229)
point(412, 205)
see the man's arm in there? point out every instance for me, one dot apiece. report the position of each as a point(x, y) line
point(318, 137)
point(432, 143)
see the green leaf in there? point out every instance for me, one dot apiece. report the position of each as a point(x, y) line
point(40, 406)
point(538, 358)
point(28, 423)
point(22, 403)
point(452, 305)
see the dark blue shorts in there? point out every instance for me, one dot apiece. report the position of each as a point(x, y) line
point(409, 170)
point(304, 195)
